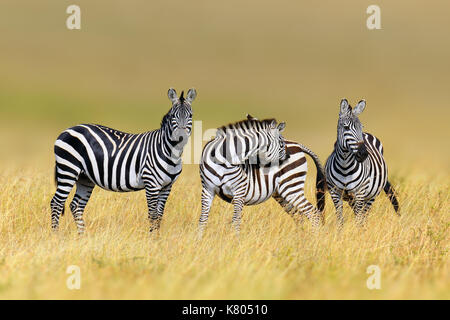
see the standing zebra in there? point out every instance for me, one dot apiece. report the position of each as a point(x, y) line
point(89, 155)
point(356, 170)
point(232, 169)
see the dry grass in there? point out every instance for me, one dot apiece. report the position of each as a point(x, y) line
point(293, 60)
point(272, 259)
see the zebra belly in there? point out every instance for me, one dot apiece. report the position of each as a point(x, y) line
point(134, 184)
point(260, 184)
point(260, 187)
point(249, 201)
point(226, 194)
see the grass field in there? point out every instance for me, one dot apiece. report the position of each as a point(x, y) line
point(271, 259)
point(287, 60)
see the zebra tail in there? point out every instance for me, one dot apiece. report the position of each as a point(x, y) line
point(390, 192)
point(321, 184)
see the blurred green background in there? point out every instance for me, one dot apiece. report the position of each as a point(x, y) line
point(293, 60)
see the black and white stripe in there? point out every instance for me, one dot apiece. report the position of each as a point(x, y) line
point(88, 155)
point(356, 171)
point(248, 181)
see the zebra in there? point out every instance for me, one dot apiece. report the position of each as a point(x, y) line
point(247, 180)
point(356, 170)
point(87, 155)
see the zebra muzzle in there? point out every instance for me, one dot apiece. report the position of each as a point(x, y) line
point(180, 137)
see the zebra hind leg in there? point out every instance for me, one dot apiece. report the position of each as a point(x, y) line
point(64, 184)
point(151, 194)
point(290, 209)
point(80, 199)
point(299, 206)
point(312, 213)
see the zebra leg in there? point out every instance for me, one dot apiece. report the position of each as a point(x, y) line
point(64, 183)
point(360, 207)
point(152, 194)
point(207, 199)
point(289, 208)
point(338, 203)
point(80, 199)
point(238, 203)
point(298, 206)
point(161, 204)
point(365, 211)
point(305, 208)
point(367, 208)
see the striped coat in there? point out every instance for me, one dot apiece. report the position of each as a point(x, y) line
point(88, 155)
point(356, 170)
point(251, 183)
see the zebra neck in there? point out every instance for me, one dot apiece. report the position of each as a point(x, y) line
point(344, 156)
point(169, 147)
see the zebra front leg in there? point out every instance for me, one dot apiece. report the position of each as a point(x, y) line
point(238, 203)
point(162, 199)
point(152, 194)
point(78, 204)
point(338, 204)
point(207, 199)
point(360, 207)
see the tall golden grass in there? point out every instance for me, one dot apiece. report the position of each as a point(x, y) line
point(287, 59)
point(273, 258)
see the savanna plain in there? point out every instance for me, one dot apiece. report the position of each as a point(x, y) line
point(293, 62)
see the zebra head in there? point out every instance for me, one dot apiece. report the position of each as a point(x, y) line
point(179, 118)
point(282, 143)
point(253, 140)
point(272, 147)
point(350, 130)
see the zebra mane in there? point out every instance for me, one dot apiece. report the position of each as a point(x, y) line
point(250, 123)
point(165, 119)
point(181, 98)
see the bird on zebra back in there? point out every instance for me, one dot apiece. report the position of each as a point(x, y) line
point(87, 155)
point(356, 170)
point(248, 162)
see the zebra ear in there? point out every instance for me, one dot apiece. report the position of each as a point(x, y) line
point(172, 94)
point(191, 95)
point(344, 107)
point(281, 126)
point(359, 107)
point(273, 124)
point(249, 117)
